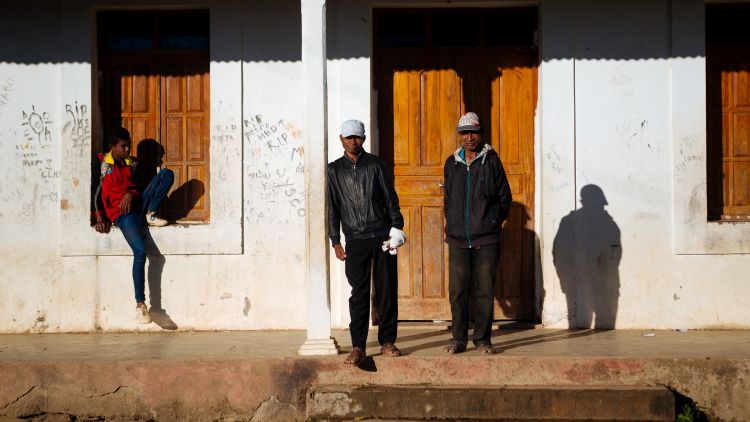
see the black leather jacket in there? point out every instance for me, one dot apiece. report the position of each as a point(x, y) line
point(477, 199)
point(362, 200)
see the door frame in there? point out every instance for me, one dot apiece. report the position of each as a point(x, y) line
point(379, 148)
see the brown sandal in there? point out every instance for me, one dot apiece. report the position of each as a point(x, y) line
point(390, 350)
point(454, 346)
point(486, 348)
point(356, 356)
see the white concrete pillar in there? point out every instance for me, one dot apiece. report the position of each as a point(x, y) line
point(319, 340)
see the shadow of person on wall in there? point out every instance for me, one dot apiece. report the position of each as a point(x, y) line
point(586, 254)
point(156, 263)
point(150, 155)
point(528, 267)
point(183, 199)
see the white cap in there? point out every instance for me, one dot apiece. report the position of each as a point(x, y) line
point(352, 128)
point(469, 121)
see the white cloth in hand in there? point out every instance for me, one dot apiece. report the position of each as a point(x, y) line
point(398, 238)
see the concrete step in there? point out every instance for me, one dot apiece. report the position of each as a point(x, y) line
point(492, 403)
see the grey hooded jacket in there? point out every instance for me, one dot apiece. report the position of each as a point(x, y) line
point(477, 198)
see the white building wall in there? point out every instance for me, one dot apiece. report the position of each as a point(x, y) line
point(615, 109)
point(244, 270)
point(627, 129)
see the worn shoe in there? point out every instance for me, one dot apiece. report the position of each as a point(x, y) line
point(390, 350)
point(485, 347)
point(356, 356)
point(153, 220)
point(453, 347)
point(141, 313)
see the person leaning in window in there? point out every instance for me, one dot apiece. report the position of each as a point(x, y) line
point(118, 198)
point(364, 205)
point(477, 199)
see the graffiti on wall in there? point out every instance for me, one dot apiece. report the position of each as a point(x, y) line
point(6, 91)
point(36, 126)
point(37, 188)
point(77, 128)
point(275, 169)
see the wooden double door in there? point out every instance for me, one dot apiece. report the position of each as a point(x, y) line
point(420, 98)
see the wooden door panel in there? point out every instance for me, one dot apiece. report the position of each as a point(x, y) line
point(406, 117)
point(405, 254)
point(185, 135)
point(131, 98)
point(432, 255)
point(173, 139)
point(440, 109)
point(196, 146)
point(419, 185)
point(741, 132)
point(196, 195)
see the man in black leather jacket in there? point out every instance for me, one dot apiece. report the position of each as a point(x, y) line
point(363, 203)
point(477, 201)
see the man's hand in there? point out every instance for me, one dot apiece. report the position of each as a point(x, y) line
point(125, 202)
point(397, 238)
point(340, 253)
point(102, 226)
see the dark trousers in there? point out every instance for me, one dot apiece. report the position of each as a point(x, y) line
point(361, 257)
point(472, 267)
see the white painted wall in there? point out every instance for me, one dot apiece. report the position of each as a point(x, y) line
point(615, 109)
point(244, 270)
point(635, 89)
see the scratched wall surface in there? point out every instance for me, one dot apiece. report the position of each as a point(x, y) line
point(607, 163)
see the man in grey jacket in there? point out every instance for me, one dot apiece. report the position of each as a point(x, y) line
point(364, 205)
point(477, 201)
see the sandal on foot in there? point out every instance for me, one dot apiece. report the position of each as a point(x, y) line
point(453, 347)
point(356, 356)
point(486, 348)
point(390, 350)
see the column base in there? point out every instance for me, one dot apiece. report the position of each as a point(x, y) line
point(319, 347)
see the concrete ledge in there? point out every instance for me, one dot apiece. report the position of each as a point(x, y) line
point(492, 403)
point(258, 376)
point(212, 389)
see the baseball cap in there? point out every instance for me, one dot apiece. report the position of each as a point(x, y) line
point(352, 128)
point(469, 121)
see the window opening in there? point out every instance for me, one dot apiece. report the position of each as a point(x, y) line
point(154, 80)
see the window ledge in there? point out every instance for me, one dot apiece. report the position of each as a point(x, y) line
point(175, 239)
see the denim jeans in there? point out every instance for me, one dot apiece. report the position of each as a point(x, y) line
point(156, 191)
point(132, 227)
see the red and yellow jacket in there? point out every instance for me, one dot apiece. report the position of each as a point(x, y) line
point(114, 182)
